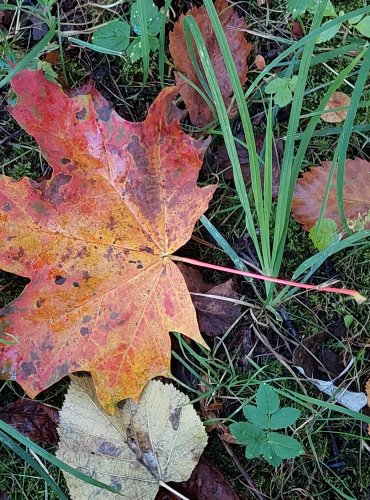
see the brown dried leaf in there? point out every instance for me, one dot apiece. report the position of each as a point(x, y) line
point(32, 419)
point(205, 483)
point(260, 62)
point(317, 359)
point(233, 25)
point(337, 100)
point(297, 30)
point(310, 190)
point(215, 316)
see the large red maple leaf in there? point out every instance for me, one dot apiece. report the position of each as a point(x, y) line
point(94, 241)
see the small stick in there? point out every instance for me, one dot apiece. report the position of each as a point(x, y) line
point(164, 485)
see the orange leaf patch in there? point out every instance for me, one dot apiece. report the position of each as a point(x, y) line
point(310, 190)
point(337, 100)
point(233, 25)
point(94, 241)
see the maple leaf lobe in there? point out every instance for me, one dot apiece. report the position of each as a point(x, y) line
point(92, 239)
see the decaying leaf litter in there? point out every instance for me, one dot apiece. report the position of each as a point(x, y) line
point(250, 339)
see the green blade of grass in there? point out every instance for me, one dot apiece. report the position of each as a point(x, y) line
point(254, 161)
point(145, 49)
point(312, 35)
point(287, 169)
point(12, 445)
point(191, 25)
point(299, 157)
point(32, 54)
point(162, 38)
point(361, 81)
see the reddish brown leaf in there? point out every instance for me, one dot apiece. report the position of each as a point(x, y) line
point(297, 30)
point(337, 100)
point(317, 359)
point(215, 316)
point(260, 62)
point(95, 241)
point(233, 25)
point(34, 420)
point(310, 190)
point(205, 483)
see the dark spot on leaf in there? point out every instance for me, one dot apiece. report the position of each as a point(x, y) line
point(175, 418)
point(138, 152)
point(108, 448)
point(20, 254)
point(114, 315)
point(117, 485)
point(39, 303)
point(111, 224)
point(53, 190)
point(86, 318)
point(104, 112)
point(7, 207)
point(76, 284)
point(84, 252)
point(84, 330)
point(146, 249)
point(108, 255)
point(59, 280)
point(65, 161)
point(80, 115)
point(139, 265)
point(28, 368)
point(85, 275)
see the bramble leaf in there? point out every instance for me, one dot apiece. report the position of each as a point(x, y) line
point(114, 36)
point(267, 399)
point(245, 433)
point(284, 446)
point(269, 454)
point(256, 416)
point(283, 418)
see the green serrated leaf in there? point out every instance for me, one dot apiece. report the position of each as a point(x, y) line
point(114, 36)
point(364, 26)
point(246, 433)
point(283, 418)
point(267, 399)
point(256, 416)
point(269, 454)
point(253, 450)
point(326, 234)
point(153, 18)
point(284, 446)
point(297, 7)
point(134, 49)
